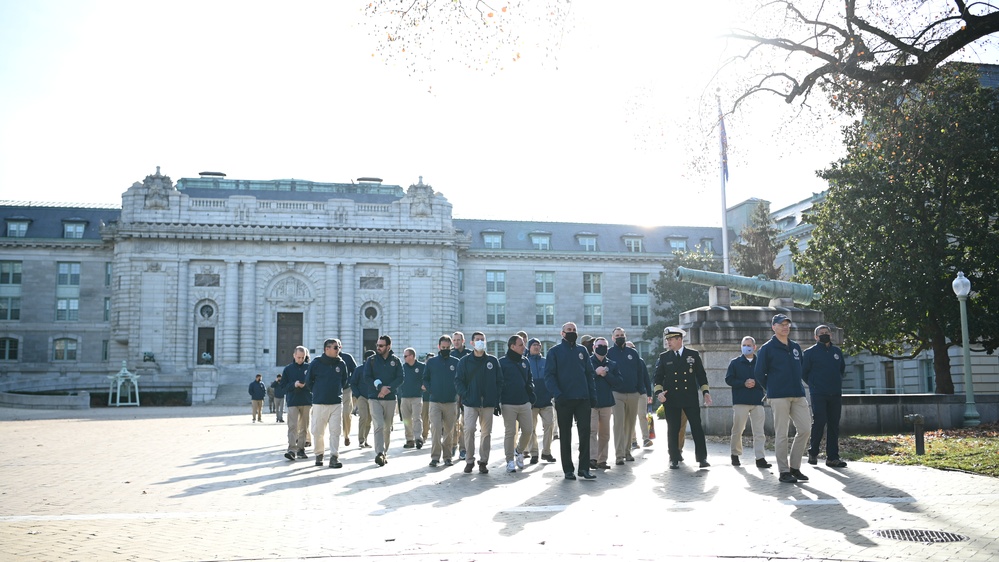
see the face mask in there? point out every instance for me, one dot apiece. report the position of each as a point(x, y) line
point(620, 341)
point(600, 350)
point(570, 338)
point(825, 338)
point(747, 350)
point(479, 345)
point(445, 353)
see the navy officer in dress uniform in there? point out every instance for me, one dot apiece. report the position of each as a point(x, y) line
point(679, 376)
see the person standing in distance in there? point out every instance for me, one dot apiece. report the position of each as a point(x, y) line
point(822, 369)
point(778, 371)
point(569, 378)
point(257, 394)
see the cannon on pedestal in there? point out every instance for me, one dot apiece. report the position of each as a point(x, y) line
point(759, 286)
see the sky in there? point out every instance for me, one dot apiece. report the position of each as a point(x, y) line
point(608, 117)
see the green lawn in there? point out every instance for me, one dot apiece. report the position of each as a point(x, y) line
point(973, 450)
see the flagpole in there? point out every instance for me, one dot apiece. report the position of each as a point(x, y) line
point(723, 162)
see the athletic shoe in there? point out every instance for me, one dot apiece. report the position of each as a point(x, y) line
point(519, 460)
point(511, 467)
point(290, 455)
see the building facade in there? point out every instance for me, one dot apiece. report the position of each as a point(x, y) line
point(209, 281)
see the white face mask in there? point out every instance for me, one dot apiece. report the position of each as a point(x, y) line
point(480, 345)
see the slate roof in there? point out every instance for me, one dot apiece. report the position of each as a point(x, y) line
point(46, 219)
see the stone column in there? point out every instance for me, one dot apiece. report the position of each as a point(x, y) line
point(391, 324)
point(248, 338)
point(229, 327)
point(348, 313)
point(331, 301)
point(185, 317)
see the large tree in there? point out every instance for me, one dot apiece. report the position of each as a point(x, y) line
point(755, 253)
point(857, 44)
point(912, 203)
point(673, 297)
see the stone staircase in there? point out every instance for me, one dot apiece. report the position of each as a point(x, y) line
point(233, 395)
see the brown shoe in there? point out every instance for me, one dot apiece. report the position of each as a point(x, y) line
point(469, 467)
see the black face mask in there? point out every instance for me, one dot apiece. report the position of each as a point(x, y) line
point(570, 338)
point(600, 350)
point(825, 338)
point(620, 341)
point(445, 353)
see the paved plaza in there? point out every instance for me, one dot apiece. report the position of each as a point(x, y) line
point(204, 483)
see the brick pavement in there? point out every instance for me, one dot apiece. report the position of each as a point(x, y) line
point(206, 484)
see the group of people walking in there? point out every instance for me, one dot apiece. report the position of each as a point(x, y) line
point(600, 386)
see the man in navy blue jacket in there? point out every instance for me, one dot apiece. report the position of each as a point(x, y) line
point(411, 398)
point(631, 398)
point(299, 401)
point(257, 394)
point(438, 380)
point(384, 372)
point(360, 389)
point(516, 399)
point(569, 378)
point(542, 406)
point(747, 403)
point(479, 384)
point(328, 375)
point(822, 369)
point(607, 381)
point(778, 371)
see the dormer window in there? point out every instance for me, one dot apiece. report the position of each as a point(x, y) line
point(677, 244)
point(17, 228)
point(73, 228)
point(633, 244)
point(708, 245)
point(587, 242)
point(541, 241)
point(492, 240)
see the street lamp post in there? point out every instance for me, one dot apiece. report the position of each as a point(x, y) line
point(962, 288)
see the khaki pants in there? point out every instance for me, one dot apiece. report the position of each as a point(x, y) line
point(485, 418)
point(547, 430)
point(513, 415)
point(279, 408)
point(326, 416)
point(363, 419)
point(425, 416)
point(412, 417)
point(382, 417)
point(757, 416)
point(256, 409)
point(787, 411)
point(626, 410)
point(345, 412)
point(600, 422)
point(298, 425)
point(443, 416)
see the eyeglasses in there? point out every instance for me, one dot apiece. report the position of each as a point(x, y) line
point(335, 346)
point(380, 345)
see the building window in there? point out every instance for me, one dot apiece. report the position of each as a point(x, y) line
point(496, 314)
point(72, 229)
point(495, 281)
point(68, 309)
point(591, 283)
point(107, 309)
point(461, 279)
point(633, 245)
point(17, 229)
point(544, 314)
point(643, 348)
point(64, 349)
point(639, 283)
point(496, 348)
point(677, 245)
point(588, 243)
point(105, 350)
point(10, 308)
point(493, 241)
point(461, 313)
point(544, 281)
point(8, 349)
point(708, 245)
point(69, 273)
point(593, 314)
point(639, 315)
point(10, 273)
point(541, 241)
point(108, 268)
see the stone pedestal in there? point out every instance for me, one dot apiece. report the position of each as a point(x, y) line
point(205, 384)
point(717, 331)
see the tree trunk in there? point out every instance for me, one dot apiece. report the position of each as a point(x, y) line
point(941, 365)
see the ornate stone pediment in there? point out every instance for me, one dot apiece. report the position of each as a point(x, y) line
point(158, 188)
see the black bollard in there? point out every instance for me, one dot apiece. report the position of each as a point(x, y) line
point(917, 425)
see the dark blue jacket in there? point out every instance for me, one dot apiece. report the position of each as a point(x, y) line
point(278, 387)
point(607, 384)
point(569, 374)
point(634, 373)
point(295, 396)
point(822, 369)
point(257, 390)
point(543, 398)
point(778, 369)
point(438, 377)
point(327, 378)
point(351, 365)
point(360, 386)
point(381, 372)
point(518, 384)
point(479, 381)
point(740, 370)
point(412, 380)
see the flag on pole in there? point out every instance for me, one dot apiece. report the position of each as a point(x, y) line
point(724, 141)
